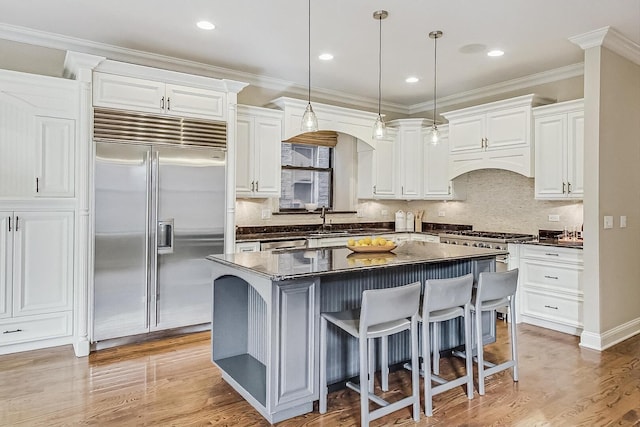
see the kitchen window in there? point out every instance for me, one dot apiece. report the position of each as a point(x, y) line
point(307, 176)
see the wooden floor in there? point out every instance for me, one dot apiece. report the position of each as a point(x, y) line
point(173, 383)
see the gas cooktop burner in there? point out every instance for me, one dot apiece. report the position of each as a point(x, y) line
point(483, 239)
point(492, 235)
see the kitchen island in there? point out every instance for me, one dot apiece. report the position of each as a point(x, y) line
point(266, 309)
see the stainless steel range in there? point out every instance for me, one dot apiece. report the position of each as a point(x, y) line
point(484, 239)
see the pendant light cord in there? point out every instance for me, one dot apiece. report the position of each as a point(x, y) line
point(435, 77)
point(309, 65)
point(379, 64)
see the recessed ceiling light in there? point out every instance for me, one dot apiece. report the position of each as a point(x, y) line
point(495, 52)
point(205, 25)
point(326, 57)
point(411, 79)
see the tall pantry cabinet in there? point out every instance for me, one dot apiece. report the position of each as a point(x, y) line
point(38, 144)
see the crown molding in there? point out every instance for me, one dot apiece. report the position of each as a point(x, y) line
point(612, 40)
point(550, 76)
point(66, 43)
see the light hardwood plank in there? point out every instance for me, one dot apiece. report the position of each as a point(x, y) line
point(172, 382)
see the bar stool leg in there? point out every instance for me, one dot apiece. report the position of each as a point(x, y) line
point(415, 370)
point(364, 373)
point(436, 348)
point(479, 345)
point(372, 364)
point(384, 361)
point(323, 366)
point(514, 340)
point(468, 336)
point(426, 363)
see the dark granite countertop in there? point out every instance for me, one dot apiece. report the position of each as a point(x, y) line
point(297, 263)
point(306, 231)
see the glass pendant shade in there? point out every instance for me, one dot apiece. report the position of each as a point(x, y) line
point(379, 128)
point(434, 135)
point(309, 120)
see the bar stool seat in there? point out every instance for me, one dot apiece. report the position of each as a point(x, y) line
point(495, 290)
point(383, 312)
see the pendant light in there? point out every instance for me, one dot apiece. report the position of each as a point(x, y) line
point(309, 119)
point(379, 127)
point(434, 133)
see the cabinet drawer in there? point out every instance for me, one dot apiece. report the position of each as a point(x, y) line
point(555, 276)
point(32, 328)
point(552, 253)
point(554, 307)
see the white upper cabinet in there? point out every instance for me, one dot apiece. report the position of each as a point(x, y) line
point(409, 147)
point(38, 119)
point(495, 135)
point(258, 148)
point(130, 93)
point(55, 148)
point(377, 176)
point(559, 150)
point(436, 184)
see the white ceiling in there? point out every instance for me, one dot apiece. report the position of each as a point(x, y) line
point(269, 38)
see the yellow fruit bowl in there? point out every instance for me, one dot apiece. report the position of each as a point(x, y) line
point(372, 249)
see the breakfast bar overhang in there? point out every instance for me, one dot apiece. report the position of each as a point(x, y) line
point(267, 305)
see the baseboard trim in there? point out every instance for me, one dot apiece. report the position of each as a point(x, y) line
point(611, 337)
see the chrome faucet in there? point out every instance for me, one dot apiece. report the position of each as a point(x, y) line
point(323, 215)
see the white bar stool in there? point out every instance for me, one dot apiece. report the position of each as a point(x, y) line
point(383, 312)
point(495, 290)
point(445, 299)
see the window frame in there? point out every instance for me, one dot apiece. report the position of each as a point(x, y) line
point(311, 169)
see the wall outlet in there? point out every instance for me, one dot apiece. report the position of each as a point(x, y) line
point(441, 213)
point(266, 213)
point(384, 213)
point(608, 221)
point(359, 213)
point(554, 218)
point(623, 221)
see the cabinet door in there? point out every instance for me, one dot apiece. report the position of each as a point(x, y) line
point(6, 263)
point(508, 128)
point(385, 166)
point(411, 164)
point(195, 102)
point(128, 93)
point(466, 134)
point(550, 154)
point(42, 262)
point(244, 156)
point(436, 168)
point(267, 148)
point(17, 151)
point(366, 174)
point(55, 161)
point(575, 155)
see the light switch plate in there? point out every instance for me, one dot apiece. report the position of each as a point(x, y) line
point(623, 221)
point(554, 218)
point(441, 213)
point(266, 213)
point(608, 221)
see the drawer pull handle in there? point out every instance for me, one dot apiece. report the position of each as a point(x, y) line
point(552, 277)
point(12, 332)
point(551, 254)
point(550, 306)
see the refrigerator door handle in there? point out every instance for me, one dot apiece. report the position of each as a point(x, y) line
point(165, 236)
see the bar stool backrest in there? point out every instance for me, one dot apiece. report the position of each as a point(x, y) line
point(386, 305)
point(497, 285)
point(440, 294)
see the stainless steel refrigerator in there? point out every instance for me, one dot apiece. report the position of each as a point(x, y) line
point(159, 211)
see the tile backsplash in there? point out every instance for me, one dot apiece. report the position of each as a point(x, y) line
point(497, 200)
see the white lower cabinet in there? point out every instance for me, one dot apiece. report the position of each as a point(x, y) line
point(36, 285)
point(551, 293)
point(248, 247)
